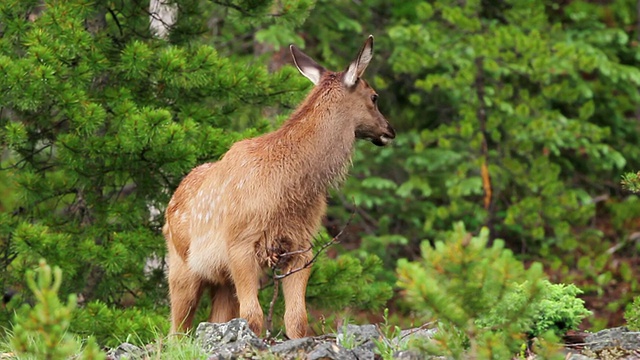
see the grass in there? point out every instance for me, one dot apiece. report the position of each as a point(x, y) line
point(164, 348)
point(179, 348)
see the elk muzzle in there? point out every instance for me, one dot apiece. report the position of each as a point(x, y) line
point(388, 135)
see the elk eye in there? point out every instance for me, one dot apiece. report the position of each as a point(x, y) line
point(374, 98)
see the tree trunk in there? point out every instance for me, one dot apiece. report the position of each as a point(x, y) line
point(162, 16)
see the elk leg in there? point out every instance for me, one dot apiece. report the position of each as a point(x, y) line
point(295, 289)
point(245, 272)
point(224, 305)
point(185, 291)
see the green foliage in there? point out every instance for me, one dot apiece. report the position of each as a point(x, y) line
point(101, 125)
point(348, 282)
point(483, 297)
point(631, 182)
point(632, 315)
point(386, 346)
point(41, 332)
point(112, 326)
point(516, 103)
point(537, 101)
point(558, 310)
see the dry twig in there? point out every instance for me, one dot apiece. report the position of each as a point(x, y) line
point(277, 277)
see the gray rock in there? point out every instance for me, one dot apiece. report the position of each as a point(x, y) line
point(224, 341)
point(573, 356)
point(619, 337)
point(294, 349)
point(358, 335)
point(419, 334)
point(331, 351)
point(126, 351)
point(236, 350)
point(363, 353)
point(408, 355)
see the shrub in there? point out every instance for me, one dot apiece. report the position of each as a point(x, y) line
point(486, 302)
point(112, 326)
point(41, 332)
point(558, 310)
point(631, 181)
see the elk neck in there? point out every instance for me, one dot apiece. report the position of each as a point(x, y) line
point(316, 143)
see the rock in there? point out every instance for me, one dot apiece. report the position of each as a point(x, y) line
point(126, 351)
point(362, 353)
point(572, 356)
point(294, 349)
point(331, 351)
point(408, 355)
point(241, 349)
point(228, 340)
point(419, 334)
point(358, 336)
point(619, 337)
point(614, 343)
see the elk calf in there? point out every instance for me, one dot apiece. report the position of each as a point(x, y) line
point(266, 196)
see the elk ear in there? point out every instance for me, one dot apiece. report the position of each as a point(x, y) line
point(307, 67)
point(357, 67)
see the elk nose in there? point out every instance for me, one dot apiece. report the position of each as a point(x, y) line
point(385, 138)
point(391, 133)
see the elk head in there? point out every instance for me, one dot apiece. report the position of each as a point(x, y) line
point(359, 102)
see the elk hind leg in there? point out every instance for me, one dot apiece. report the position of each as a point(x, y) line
point(224, 304)
point(185, 291)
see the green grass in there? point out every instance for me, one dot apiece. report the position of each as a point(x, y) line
point(163, 348)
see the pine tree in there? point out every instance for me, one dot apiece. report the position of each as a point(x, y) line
point(486, 303)
point(102, 123)
point(41, 332)
point(101, 120)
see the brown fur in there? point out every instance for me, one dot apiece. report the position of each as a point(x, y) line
point(265, 196)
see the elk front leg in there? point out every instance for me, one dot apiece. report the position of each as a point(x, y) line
point(295, 290)
point(245, 272)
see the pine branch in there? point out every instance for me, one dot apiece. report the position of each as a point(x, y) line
point(115, 19)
